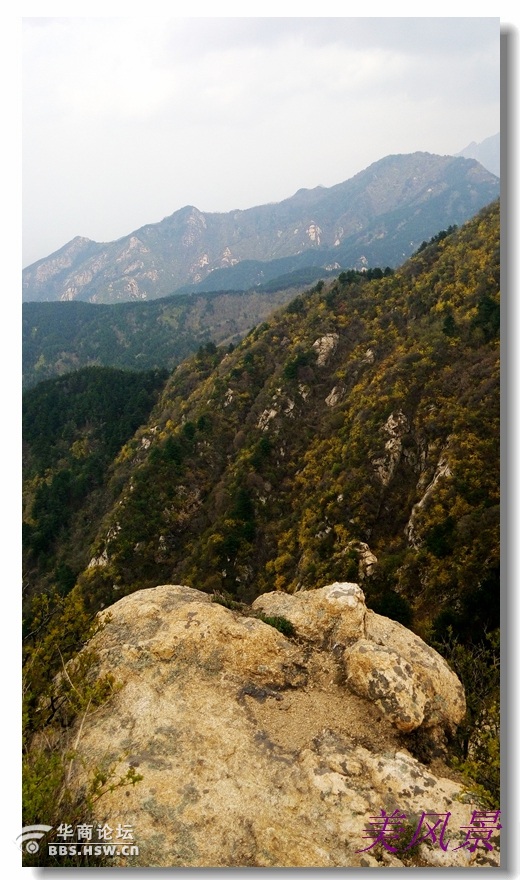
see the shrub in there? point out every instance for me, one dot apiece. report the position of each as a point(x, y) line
point(477, 742)
point(280, 623)
point(227, 601)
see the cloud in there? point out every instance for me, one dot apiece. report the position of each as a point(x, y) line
point(128, 119)
point(136, 67)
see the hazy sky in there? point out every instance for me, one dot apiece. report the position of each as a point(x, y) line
point(126, 120)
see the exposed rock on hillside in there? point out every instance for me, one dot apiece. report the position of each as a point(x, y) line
point(395, 427)
point(253, 747)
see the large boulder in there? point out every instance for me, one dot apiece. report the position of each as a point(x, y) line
point(252, 751)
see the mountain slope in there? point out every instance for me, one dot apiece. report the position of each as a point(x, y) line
point(72, 429)
point(378, 217)
point(354, 435)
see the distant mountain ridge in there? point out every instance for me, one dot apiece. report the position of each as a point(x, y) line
point(378, 217)
point(487, 152)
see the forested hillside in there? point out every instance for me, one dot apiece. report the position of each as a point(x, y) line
point(64, 336)
point(353, 436)
point(72, 429)
point(366, 414)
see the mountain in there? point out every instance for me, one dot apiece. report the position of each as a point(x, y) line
point(351, 438)
point(350, 420)
point(358, 422)
point(486, 152)
point(378, 217)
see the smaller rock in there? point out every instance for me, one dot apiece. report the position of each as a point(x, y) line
point(445, 700)
point(382, 675)
point(335, 395)
point(333, 614)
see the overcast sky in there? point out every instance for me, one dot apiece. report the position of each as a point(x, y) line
point(126, 120)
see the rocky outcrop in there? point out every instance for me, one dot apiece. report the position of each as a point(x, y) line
point(395, 427)
point(335, 396)
point(327, 618)
point(382, 660)
point(439, 687)
point(367, 561)
point(253, 748)
point(442, 471)
point(325, 347)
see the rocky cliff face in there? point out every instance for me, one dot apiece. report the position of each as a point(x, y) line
point(262, 750)
point(378, 217)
